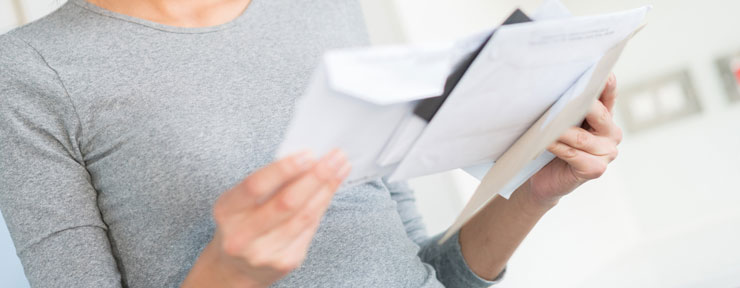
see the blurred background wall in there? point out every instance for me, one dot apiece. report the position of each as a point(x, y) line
point(664, 215)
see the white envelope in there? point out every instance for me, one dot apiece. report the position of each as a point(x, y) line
point(522, 71)
point(568, 112)
point(362, 100)
point(358, 97)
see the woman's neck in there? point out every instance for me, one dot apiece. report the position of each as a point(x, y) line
point(180, 13)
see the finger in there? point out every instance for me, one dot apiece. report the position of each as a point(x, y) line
point(267, 180)
point(294, 252)
point(293, 197)
point(585, 166)
point(609, 96)
point(307, 219)
point(599, 120)
point(300, 243)
point(278, 261)
point(244, 229)
point(262, 183)
point(584, 140)
point(292, 256)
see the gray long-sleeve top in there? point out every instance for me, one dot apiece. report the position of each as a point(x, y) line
point(117, 135)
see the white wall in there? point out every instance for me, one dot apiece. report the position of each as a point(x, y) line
point(8, 18)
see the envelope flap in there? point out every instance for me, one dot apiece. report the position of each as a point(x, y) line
point(394, 74)
point(389, 75)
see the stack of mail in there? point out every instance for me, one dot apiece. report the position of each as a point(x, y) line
point(501, 96)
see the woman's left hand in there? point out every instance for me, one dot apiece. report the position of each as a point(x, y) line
point(583, 152)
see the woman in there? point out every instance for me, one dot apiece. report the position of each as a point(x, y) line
point(136, 145)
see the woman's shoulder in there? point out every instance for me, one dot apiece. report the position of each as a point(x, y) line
point(29, 89)
point(24, 75)
point(59, 28)
point(17, 58)
point(25, 49)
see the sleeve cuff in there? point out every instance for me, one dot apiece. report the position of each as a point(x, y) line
point(452, 270)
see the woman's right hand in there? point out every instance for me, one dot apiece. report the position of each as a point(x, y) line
point(265, 224)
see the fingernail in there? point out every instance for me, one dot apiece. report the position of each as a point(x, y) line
point(303, 160)
point(343, 172)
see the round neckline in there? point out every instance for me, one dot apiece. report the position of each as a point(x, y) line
point(164, 27)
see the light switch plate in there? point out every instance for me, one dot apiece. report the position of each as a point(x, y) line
point(658, 101)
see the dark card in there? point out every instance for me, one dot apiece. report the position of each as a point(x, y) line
point(427, 108)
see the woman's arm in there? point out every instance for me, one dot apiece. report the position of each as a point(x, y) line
point(46, 195)
point(446, 259)
point(492, 236)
